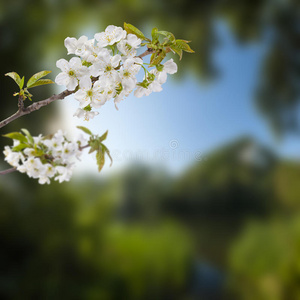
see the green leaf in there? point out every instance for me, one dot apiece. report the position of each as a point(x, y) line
point(29, 137)
point(157, 58)
point(94, 144)
point(103, 136)
point(41, 82)
point(132, 29)
point(84, 129)
point(16, 136)
point(168, 34)
point(154, 35)
point(22, 82)
point(20, 147)
point(34, 78)
point(15, 76)
point(182, 44)
point(108, 153)
point(38, 151)
point(100, 159)
point(177, 51)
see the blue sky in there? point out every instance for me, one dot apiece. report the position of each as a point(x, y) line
point(176, 127)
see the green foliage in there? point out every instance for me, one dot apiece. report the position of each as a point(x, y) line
point(160, 48)
point(68, 236)
point(84, 129)
point(133, 30)
point(16, 77)
point(169, 35)
point(136, 254)
point(35, 79)
point(95, 144)
point(265, 260)
point(157, 57)
point(16, 136)
point(29, 136)
point(41, 82)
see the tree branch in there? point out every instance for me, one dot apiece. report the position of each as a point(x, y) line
point(33, 107)
point(8, 171)
point(147, 52)
point(37, 105)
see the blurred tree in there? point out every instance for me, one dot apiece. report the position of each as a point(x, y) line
point(66, 243)
point(218, 194)
point(264, 261)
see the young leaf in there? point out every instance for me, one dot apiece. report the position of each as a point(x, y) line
point(168, 34)
point(41, 82)
point(94, 144)
point(100, 158)
point(154, 35)
point(20, 147)
point(84, 129)
point(103, 136)
point(15, 76)
point(22, 82)
point(177, 50)
point(34, 78)
point(157, 58)
point(131, 29)
point(182, 44)
point(108, 153)
point(29, 137)
point(16, 136)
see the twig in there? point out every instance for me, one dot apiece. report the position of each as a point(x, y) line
point(8, 171)
point(33, 107)
point(83, 147)
point(147, 52)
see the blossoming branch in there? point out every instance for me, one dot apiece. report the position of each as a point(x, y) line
point(102, 68)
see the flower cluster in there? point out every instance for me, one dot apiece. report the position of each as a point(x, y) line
point(105, 68)
point(44, 157)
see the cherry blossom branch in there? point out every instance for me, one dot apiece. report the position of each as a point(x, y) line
point(7, 171)
point(37, 105)
point(4, 172)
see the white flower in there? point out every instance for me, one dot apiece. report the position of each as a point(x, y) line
point(110, 36)
point(106, 65)
point(88, 93)
point(78, 47)
point(170, 66)
point(129, 45)
point(142, 91)
point(95, 53)
point(44, 179)
point(72, 71)
point(128, 71)
point(105, 90)
point(34, 167)
point(55, 145)
point(49, 170)
point(86, 115)
point(65, 173)
point(81, 139)
point(12, 157)
point(55, 157)
point(29, 151)
point(115, 75)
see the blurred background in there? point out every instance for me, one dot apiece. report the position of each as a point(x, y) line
point(203, 198)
